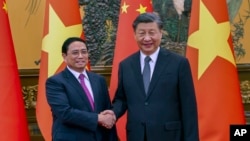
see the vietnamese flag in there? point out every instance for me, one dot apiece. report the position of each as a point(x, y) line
point(214, 71)
point(62, 20)
point(13, 122)
point(126, 45)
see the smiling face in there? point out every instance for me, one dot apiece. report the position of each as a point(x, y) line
point(148, 37)
point(77, 56)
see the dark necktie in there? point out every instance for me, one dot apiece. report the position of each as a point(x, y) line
point(91, 101)
point(146, 73)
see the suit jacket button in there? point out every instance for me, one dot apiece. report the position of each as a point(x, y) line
point(146, 103)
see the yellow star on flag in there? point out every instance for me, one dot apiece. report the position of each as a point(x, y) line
point(211, 40)
point(4, 6)
point(141, 9)
point(124, 7)
point(53, 41)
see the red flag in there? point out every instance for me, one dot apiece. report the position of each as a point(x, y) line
point(211, 56)
point(126, 44)
point(13, 122)
point(62, 20)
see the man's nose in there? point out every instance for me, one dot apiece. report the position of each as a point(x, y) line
point(147, 37)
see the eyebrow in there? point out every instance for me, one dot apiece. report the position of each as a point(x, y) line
point(78, 50)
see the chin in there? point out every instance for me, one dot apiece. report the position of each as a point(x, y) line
point(80, 67)
point(148, 52)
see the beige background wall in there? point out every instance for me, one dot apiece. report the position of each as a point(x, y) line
point(26, 20)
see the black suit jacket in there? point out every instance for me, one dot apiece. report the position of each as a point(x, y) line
point(168, 112)
point(73, 118)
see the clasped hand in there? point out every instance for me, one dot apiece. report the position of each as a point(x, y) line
point(107, 118)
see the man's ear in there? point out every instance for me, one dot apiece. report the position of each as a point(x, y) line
point(64, 57)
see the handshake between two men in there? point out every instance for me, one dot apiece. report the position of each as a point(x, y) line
point(107, 118)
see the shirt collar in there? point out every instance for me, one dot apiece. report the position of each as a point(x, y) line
point(76, 74)
point(152, 56)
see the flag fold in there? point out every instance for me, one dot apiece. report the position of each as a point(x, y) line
point(126, 44)
point(211, 56)
point(61, 20)
point(13, 122)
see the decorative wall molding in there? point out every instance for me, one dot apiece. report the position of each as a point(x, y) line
point(245, 91)
point(29, 79)
point(30, 96)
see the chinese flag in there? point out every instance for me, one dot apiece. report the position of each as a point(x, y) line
point(62, 20)
point(13, 122)
point(126, 45)
point(215, 76)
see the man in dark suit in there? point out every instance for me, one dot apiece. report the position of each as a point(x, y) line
point(76, 108)
point(162, 108)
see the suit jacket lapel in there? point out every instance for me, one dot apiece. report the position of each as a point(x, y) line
point(75, 83)
point(136, 66)
point(160, 65)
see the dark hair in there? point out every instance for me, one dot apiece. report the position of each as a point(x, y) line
point(68, 41)
point(148, 18)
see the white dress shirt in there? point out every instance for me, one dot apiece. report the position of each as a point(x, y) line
point(152, 62)
point(86, 80)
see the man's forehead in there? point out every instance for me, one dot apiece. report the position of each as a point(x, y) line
point(78, 48)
